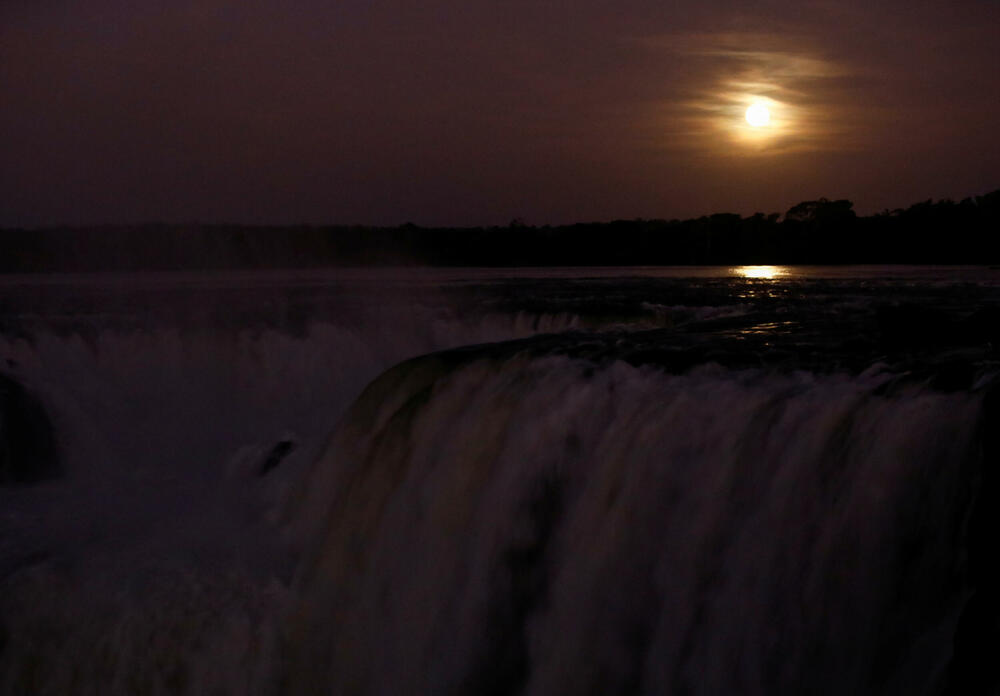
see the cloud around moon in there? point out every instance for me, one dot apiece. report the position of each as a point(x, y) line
point(727, 72)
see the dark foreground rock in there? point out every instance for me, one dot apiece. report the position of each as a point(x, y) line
point(28, 452)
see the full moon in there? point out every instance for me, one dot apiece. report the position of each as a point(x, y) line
point(758, 115)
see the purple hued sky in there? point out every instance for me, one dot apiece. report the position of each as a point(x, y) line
point(471, 112)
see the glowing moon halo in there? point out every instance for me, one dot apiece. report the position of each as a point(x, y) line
point(758, 115)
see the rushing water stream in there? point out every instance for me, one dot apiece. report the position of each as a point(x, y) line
point(535, 481)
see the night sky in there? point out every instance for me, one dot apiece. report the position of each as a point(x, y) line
point(470, 112)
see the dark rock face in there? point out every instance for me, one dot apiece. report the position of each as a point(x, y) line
point(973, 665)
point(274, 457)
point(28, 452)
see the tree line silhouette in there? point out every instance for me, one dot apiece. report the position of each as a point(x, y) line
point(812, 232)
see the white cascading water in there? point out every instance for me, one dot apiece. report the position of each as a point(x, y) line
point(539, 527)
point(154, 564)
point(516, 525)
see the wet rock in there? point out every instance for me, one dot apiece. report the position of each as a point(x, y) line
point(983, 326)
point(281, 450)
point(28, 452)
point(973, 664)
point(909, 326)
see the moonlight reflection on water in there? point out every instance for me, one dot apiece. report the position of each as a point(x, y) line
point(761, 272)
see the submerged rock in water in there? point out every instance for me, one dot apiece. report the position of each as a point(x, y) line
point(28, 452)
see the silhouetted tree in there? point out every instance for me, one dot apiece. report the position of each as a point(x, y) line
point(817, 231)
point(822, 211)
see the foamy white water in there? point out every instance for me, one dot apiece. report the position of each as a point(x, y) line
point(536, 527)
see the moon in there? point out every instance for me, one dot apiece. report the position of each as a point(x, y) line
point(757, 115)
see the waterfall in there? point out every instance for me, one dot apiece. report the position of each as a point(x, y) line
point(539, 525)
